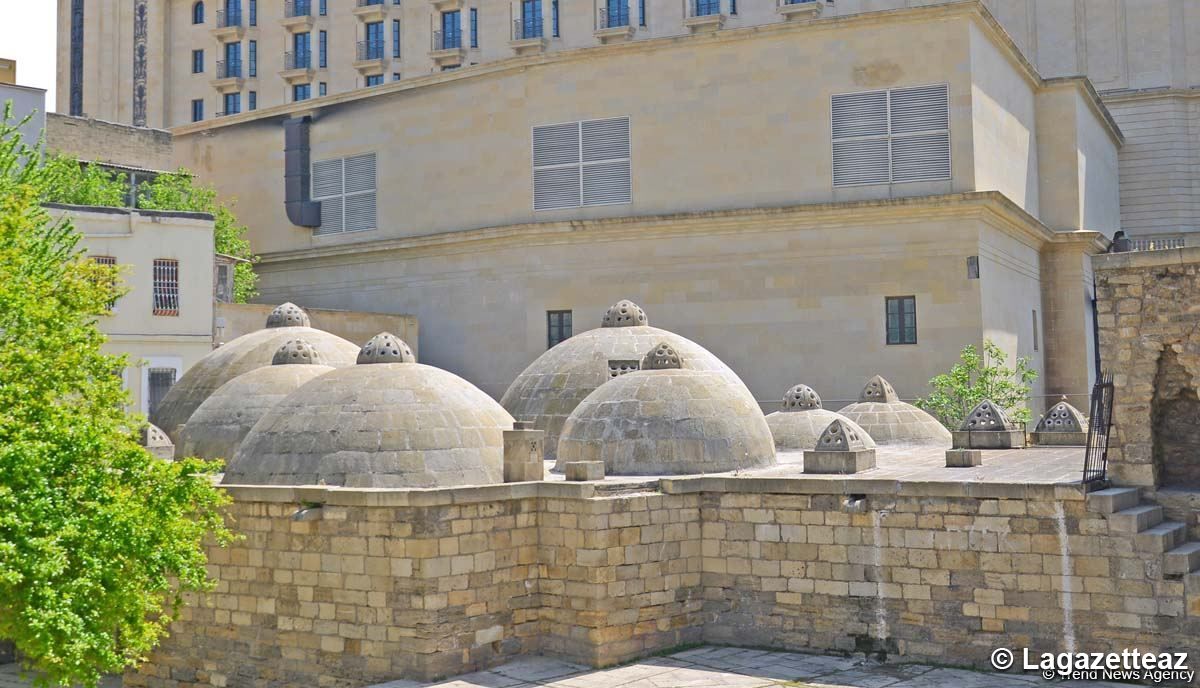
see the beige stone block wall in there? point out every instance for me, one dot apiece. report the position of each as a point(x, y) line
point(354, 326)
point(98, 141)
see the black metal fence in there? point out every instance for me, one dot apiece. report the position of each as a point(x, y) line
point(1095, 458)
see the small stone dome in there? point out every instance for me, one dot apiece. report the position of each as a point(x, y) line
point(386, 348)
point(377, 424)
point(157, 442)
point(888, 420)
point(219, 425)
point(844, 435)
point(250, 351)
point(986, 416)
point(668, 419)
point(288, 315)
point(552, 386)
point(801, 420)
point(1062, 417)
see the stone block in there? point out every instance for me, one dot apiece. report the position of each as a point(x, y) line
point(988, 439)
point(963, 458)
point(840, 462)
point(584, 470)
point(1059, 439)
point(523, 453)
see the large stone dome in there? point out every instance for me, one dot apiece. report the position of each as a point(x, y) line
point(250, 351)
point(219, 425)
point(552, 386)
point(801, 420)
point(667, 419)
point(386, 422)
point(890, 421)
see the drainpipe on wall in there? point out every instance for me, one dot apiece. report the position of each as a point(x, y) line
point(301, 209)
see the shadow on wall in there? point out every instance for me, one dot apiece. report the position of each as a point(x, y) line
point(1175, 424)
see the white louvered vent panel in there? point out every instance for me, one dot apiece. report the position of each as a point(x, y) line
point(606, 182)
point(556, 187)
point(923, 157)
point(922, 109)
point(327, 178)
point(360, 212)
point(605, 139)
point(556, 144)
point(862, 161)
point(860, 114)
point(360, 173)
point(331, 216)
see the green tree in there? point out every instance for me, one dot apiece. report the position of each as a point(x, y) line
point(66, 180)
point(99, 540)
point(977, 377)
point(179, 191)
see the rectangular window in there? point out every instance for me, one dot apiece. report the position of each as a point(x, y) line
point(374, 80)
point(558, 327)
point(159, 381)
point(901, 319)
point(474, 27)
point(554, 18)
point(733, 6)
point(301, 49)
point(323, 8)
point(1035, 330)
point(197, 62)
point(894, 136)
point(233, 60)
point(197, 109)
point(252, 58)
point(395, 38)
point(323, 50)
point(374, 42)
point(345, 188)
point(111, 280)
point(395, 76)
point(252, 100)
point(581, 163)
point(641, 12)
point(301, 92)
point(321, 88)
point(233, 103)
point(253, 12)
point(451, 30)
point(166, 287)
point(76, 106)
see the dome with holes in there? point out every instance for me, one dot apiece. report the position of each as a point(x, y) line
point(1062, 417)
point(890, 421)
point(801, 419)
point(386, 422)
point(668, 419)
point(253, 350)
point(217, 428)
point(552, 386)
point(157, 442)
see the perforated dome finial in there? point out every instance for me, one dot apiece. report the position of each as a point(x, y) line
point(288, 315)
point(986, 416)
point(801, 398)
point(840, 436)
point(386, 347)
point(297, 351)
point(1063, 417)
point(624, 313)
point(662, 357)
point(878, 390)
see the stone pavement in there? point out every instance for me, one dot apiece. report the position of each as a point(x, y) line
point(730, 667)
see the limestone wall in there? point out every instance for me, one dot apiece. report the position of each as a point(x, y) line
point(99, 141)
point(377, 585)
point(236, 319)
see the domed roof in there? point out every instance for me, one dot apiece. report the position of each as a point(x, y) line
point(667, 419)
point(552, 386)
point(1062, 417)
point(986, 416)
point(801, 420)
point(250, 351)
point(377, 424)
point(844, 435)
point(157, 442)
point(219, 425)
point(888, 420)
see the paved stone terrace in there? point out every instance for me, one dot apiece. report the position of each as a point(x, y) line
point(730, 667)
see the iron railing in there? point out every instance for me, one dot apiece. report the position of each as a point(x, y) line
point(1095, 458)
point(613, 16)
point(795, 2)
point(370, 50)
point(229, 70)
point(527, 27)
point(297, 8)
point(228, 18)
point(368, 3)
point(447, 40)
point(301, 59)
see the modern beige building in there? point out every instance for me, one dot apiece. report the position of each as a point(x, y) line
point(8, 71)
point(896, 185)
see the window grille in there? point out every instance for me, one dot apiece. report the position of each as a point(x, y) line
point(166, 287)
point(160, 382)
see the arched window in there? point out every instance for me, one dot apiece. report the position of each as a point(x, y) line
point(198, 13)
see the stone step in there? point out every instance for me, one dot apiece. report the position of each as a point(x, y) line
point(1163, 537)
point(1113, 499)
point(1135, 520)
point(1182, 560)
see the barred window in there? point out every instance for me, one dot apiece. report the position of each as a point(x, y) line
point(160, 381)
point(111, 263)
point(166, 286)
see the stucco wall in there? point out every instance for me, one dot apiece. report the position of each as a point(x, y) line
point(26, 102)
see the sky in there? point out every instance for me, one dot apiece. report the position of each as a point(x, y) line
point(27, 36)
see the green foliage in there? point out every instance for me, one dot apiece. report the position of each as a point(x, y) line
point(68, 181)
point(99, 539)
point(179, 191)
point(975, 378)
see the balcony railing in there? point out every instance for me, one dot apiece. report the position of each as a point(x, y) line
point(613, 16)
point(301, 59)
point(370, 50)
point(703, 8)
point(526, 28)
point(229, 18)
point(796, 2)
point(447, 40)
point(368, 3)
point(229, 70)
point(1156, 243)
point(297, 8)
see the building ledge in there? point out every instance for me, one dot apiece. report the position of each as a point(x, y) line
point(804, 9)
point(448, 56)
point(704, 22)
point(446, 5)
point(369, 67)
point(227, 34)
point(230, 84)
point(371, 13)
point(528, 46)
point(299, 75)
point(299, 23)
point(614, 34)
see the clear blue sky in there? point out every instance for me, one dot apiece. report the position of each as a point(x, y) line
point(27, 36)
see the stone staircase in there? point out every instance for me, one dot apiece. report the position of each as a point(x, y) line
point(1127, 514)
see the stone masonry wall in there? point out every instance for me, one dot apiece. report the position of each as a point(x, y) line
point(378, 585)
point(118, 144)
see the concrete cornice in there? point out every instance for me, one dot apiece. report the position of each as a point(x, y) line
point(1084, 86)
point(991, 207)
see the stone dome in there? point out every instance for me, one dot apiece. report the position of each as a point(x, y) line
point(157, 442)
point(552, 386)
point(250, 351)
point(888, 420)
point(1062, 417)
point(668, 419)
point(377, 424)
point(801, 420)
point(844, 435)
point(219, 425)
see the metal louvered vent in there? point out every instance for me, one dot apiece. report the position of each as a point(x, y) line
point(895, 136)
point(582, 163)
point(346, 189)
